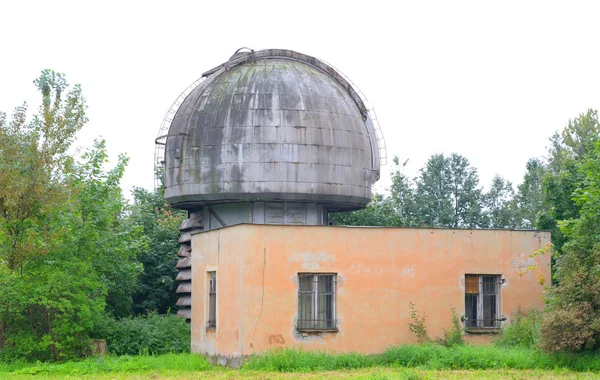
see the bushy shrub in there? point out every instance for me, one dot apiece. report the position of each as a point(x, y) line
point(48, 312)
point(569, 329)
point(151, 334)
point(523, 331)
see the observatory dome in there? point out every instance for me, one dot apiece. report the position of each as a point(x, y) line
point(271, 125)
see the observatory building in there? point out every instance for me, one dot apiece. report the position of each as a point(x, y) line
point(259, 151)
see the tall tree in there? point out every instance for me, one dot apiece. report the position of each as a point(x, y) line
point(575, 141)
point(35, 167)
point(447, 193)
point(571, 320)
point(158, 223)
point(402, 196)
point(48, 300)
point(379, 212)
point(529, 197)
point(569, 150)
point(104, 236)
point(500, 207)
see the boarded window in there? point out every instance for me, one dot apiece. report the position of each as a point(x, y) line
point(212, 300)
point(482, 301)
point(316, 301)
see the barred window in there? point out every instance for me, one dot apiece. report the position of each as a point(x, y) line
point(316, 301)
point(212, 300)
point(482, 301)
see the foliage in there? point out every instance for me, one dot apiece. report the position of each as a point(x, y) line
point(103, 236)
point(529, 197)
point(569, 330)
point(379, 212)
point(500, 206)
point(417, 326)
point(523, 331)
point(402, 196)
point(454, 335)
point(49, 310)
point(34, 170)
point(48, 298)
point(150, 334)
point(158, 224)
point(572, 319)
point(66, 251)
point(447, 193)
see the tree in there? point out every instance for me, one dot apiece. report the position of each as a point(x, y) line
point(35, 169)
point(500, 207)
point(48, 299)
point(569, 149)
point(447, 193)
point(104, 235)
point(402, 196)
point(67, 252)
point(572, 320)
point(575, 141)
point(379, 212)
point(529, 197)
point(158, 223)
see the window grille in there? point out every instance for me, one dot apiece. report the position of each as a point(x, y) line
point(212, 300)
point(482, 301)
point(316, 301)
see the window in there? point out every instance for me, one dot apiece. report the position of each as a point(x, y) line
point(482, 301)
point(316, 302)
point(212, 300)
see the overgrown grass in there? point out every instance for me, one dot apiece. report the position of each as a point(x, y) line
point(112, 364)
point(426, 356)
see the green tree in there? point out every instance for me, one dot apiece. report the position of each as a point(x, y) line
point(499, 203)
point(447, 193)
point(104, 236)
point(379, 212)
point(564, 176)
point(575, 142)
point(49, 300)
point(529, 198)
point(402, 196)
point(34, 169)
point(572, 320)
point(159, 228)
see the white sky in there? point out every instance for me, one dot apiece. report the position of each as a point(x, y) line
point(489, 80)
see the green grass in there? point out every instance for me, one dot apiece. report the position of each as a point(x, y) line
point(406, 361)
point(111, 364)
point(426, 356)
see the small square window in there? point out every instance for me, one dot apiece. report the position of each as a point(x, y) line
point(212, 300)
point(316, 301)
point(482, 301)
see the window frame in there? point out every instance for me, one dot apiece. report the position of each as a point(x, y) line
point(304, 325)
point(480, 325)
point(211, 307)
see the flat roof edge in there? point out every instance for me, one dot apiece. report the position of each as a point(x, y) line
point(375, 227)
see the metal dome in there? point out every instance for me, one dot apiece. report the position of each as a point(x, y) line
point(271, 125)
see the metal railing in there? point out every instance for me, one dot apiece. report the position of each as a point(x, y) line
point(159, 147)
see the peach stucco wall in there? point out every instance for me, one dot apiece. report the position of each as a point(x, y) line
point(379, 271)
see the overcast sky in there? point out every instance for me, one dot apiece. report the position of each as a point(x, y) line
point(489, 80)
